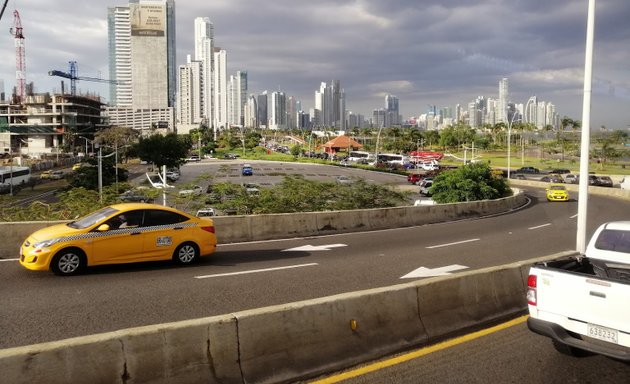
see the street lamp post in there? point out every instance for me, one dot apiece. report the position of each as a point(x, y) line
point(86, 144)
point(100, 158)
point(100, 173)
point(509, 142)
point(378, 139)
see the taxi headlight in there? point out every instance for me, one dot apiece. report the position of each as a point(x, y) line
point(45, 243)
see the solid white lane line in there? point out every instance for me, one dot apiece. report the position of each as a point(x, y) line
point(9, 259)
point(256, 271)
point(574, 216)
point(539, 226)
point(455, 243)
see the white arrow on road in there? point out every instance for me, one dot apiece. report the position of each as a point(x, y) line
point(428, 272)
point(309, 248)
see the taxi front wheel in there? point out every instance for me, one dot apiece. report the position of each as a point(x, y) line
point(186, 253)
point(68, 262)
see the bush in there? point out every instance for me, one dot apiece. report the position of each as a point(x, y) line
point(471, 182)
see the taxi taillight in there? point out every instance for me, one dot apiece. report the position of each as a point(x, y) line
point(532, 282)
point(208, 228)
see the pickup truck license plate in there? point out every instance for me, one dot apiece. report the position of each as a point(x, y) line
point(602, 333)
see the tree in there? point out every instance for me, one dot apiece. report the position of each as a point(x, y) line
point(117, 137)
point(169, 150)
point(87, 176)
point(471, 182)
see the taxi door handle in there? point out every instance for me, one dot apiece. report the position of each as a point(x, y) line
point(177, 228)
point(134, 233)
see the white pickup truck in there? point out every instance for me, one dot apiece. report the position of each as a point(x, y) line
point(583, 303)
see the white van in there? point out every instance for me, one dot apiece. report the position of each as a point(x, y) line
point(625, 183)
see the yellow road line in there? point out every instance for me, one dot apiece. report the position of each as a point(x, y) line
point(419, 353)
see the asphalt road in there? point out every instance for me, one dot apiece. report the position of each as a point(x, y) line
point(509, 355)
point(38, 307)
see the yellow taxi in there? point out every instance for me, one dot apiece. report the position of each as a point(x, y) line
point(117, 234)
point(77, 166)
point(557, 192)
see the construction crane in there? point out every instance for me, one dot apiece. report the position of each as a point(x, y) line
point(20, 57)
point(73, 75)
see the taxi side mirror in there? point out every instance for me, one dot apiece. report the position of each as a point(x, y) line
point(103, 228)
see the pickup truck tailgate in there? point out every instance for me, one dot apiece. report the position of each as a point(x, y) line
point(584, 304)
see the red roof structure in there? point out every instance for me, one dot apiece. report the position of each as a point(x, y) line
point(341, 143)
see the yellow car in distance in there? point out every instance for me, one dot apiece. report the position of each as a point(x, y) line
point(118, 234)
point(557, 192)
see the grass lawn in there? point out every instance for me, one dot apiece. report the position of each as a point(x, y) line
point(499, 160)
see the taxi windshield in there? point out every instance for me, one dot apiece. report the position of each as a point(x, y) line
point(92, 218)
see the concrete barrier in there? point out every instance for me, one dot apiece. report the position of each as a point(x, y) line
point(305, 339)
point(233, 229)
point(283, 343)
point(202, 350)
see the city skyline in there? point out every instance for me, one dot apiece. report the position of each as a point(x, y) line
point(441, 54)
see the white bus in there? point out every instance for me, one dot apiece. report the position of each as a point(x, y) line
point(392, 158)
point(360, 155)
point(14, 175)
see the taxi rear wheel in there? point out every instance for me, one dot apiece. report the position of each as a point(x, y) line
point(186, 253)
point(68, 262)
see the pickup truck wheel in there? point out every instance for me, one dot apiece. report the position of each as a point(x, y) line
point(568, 350)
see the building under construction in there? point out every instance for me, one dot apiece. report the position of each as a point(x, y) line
point(47, 124)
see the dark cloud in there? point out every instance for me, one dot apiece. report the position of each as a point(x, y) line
point(441, 53)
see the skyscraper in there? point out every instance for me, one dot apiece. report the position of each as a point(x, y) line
point(220, 112)
point(237, 98)
point(330, 101)
point(189, 108)
point(277, 111)
point(392, 116)
point(502, 105)
point(204, 53)
point(142, 60)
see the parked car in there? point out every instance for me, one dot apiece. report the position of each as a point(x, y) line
point(252, 188)
point(132, 196)
point(247, 170)
point(552, 179)
point(571, 178)
point(425, 189)
point(172, 176)
point(414, 178)
point(194, 190)
point(518, 176)
point(343, 180)
point(604, 181)
point(560, 171)
point(206, 212)
point(422, 182)
point(193, 158)
point(528, 170)
point(230, 156)
point(592, 180)
point(103, 237)
point(56, 175)
point(557, 192)
point(45, 175)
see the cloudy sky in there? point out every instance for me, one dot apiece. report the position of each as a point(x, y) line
point(424, 52)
